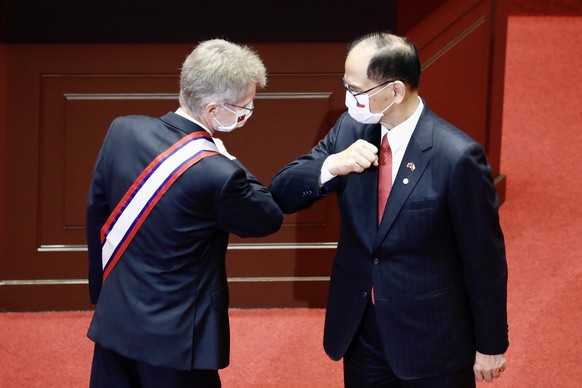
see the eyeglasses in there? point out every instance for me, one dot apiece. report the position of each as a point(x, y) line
point(353, 93)
point(250, 106)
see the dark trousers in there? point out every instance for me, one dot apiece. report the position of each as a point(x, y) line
point(365, 365)
point(111, 369)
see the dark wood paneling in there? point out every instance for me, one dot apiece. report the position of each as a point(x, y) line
point(462, 49)
point(59, 100)
point(3, 182)
point(77, 110)
point(172, 21)
point(279, 262)
point(302, 293)
point(77, 91)
point(44, 297)
point(496, 92)
point(455, 71)
point(279, 294)
point(412, 12)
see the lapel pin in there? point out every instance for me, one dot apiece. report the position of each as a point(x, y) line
point(405, 181)
point(411, 166)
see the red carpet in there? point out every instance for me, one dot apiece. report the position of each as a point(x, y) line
point(270, 348)
point(542, 217)
point(542, 220)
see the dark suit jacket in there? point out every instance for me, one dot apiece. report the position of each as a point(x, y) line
point(165, 302)
point(437, 261)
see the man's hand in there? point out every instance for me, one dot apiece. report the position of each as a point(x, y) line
point(356, 158)
point(488, 367)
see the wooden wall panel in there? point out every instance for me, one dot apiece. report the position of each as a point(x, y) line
point(462, 49)
point(456, 61)
point(76, 111)
point(2, 159)
point(59, 100)
point(77, 96)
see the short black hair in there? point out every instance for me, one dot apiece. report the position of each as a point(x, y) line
point(396, 58)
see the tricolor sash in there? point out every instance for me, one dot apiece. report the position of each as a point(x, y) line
point(145, 192)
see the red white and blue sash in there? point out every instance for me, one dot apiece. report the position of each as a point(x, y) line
point(148, 188)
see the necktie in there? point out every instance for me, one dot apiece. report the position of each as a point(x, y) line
point(385, 176)
point(384, 182)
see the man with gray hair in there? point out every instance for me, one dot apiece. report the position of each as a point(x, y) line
point(164, 198)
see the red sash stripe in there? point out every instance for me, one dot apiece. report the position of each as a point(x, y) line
point(151, 202)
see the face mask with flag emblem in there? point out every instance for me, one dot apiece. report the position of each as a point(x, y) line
point(359, 107)
point(240, 118)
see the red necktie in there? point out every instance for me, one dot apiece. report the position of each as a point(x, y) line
point(384, 181)
point(385, 177)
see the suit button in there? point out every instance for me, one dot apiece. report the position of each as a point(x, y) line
point(365, 294)
point(376, 261)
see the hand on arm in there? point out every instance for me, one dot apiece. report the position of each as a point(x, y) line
point(487, 367)
point(356, 158)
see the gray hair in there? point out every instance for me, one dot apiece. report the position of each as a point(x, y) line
point(218, 70)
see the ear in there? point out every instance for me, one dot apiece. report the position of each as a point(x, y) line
point(211, 108)
point(399, 91)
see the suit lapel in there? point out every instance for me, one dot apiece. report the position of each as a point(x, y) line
point(408, 174)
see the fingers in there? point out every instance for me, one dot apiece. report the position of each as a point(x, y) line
point(487, 375)
point(364, 154)
point(488, 367)
point(360, 163)
point(363, 144)
point(484, 376)
point(356, 158)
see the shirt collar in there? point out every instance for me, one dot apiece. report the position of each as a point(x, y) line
point(180, 112)
point(401, 134)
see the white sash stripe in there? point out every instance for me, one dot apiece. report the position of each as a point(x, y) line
point(147, 191)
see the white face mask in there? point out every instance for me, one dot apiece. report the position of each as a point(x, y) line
point(359, 107)
point(240, 118)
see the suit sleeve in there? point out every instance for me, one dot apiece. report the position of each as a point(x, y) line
point(297, 185)
point(474, 208)
point(246, 208)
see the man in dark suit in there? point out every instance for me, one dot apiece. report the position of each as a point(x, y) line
point(164, 197)
point(417, 294)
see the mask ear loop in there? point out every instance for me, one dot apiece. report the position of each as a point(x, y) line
point(379, 90)
point(229, 127)
point(388, 107)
